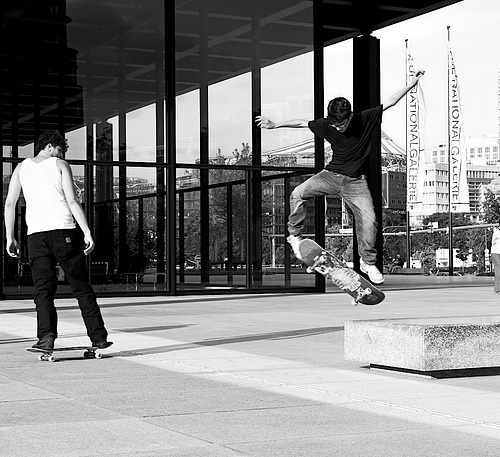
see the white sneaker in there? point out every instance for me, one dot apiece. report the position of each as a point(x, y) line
point(294, 242)
point(372, 271)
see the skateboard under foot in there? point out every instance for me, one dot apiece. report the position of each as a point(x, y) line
point(90, 352)
point(320, 260)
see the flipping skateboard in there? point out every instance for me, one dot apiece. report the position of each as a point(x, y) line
point(90, 352)
point(320, 260)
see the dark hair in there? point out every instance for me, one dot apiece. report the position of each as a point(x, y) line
point(53, 137)
point(339, 109)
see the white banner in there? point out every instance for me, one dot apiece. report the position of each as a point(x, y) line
point(415, 153)
point(459, 190)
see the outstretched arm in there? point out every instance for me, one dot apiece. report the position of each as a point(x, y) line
point(74, 205)
point(265, 123)
point(393, 99)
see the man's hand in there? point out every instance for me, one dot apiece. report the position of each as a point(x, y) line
point(393, 99)
point(264, 122)
point(13, 248)
point(89, 244)
point(417, 76)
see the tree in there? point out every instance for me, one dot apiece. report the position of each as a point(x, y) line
point(392, 218)
point(394, 221)
point(465, 241)
point(339, 246)
point(192, 234)
point(491, 207)
point(223, 181)
point(427, 257)
point(441, 239)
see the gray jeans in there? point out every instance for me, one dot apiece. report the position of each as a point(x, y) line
point(495, 259)
point(356, 195)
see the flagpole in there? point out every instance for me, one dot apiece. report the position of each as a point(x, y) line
point(450, 218)
point(408, 226)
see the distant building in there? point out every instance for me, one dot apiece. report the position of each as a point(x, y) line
point(436, 189)
point(484, 150)
point(394, 189)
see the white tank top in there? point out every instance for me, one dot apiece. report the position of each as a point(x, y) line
point(46, 205)
point(495, 242)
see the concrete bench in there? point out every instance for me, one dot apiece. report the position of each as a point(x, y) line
point(424, 345)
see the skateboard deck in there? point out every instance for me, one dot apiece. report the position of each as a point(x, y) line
point(89, 352)
point(320, 260)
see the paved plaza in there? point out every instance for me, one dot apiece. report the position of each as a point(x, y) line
point(243, 375)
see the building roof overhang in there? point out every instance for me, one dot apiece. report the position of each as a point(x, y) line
point(80, 61)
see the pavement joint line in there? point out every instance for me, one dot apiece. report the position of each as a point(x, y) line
point(222, 373)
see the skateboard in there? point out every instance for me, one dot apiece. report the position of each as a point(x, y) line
point(320, 260)
point(90, 352)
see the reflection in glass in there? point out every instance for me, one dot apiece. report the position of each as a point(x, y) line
point(230, 122)
point(141, 134)
point(101, 80)
point(187, 128)
point(77, 144)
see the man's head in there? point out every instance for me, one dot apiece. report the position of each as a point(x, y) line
point(51, 138)
point(339, 113)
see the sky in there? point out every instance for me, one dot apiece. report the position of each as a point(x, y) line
point(475, 44)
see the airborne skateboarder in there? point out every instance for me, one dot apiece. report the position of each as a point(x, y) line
point(349, 135)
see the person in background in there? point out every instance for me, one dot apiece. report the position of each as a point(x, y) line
point(397, 262)
point(495, 257)
point(51, 210)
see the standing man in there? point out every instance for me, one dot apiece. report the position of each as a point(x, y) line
point(349, 135)
point(51, 210)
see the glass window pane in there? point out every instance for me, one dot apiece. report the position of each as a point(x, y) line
point(227, 230)
point(287, 83)
point(77, 142)
point(141, 134)
point(188, 127)
point(230, 123)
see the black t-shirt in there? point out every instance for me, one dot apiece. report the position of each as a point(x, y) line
point(350, 148)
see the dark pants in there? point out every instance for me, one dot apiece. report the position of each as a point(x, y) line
point(65, 247)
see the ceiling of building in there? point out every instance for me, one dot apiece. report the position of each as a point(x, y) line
point(65, 62)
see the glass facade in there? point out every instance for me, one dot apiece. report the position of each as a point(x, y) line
point(158, 99)
point(233, 63)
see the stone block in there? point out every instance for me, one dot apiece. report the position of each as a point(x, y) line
point(423, 346)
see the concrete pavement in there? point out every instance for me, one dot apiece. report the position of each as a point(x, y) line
point(243, 375)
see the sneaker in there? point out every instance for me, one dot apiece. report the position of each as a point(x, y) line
point(46, 343)
point(294, 242)
point(372, 271)
point(102, 344)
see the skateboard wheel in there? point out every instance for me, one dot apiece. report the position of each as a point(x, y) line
point(309, 270)
point(354, 302)
point(86, 355)
point(51, 358)
point(98, 355)
point(41, 357)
